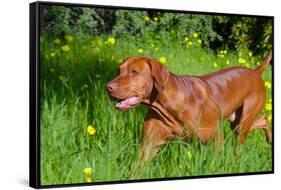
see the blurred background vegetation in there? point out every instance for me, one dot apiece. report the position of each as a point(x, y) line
point(217, 32)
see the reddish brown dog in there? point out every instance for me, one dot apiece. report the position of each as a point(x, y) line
point(188, 106)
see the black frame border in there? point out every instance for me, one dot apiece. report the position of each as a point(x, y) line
point(34, 95)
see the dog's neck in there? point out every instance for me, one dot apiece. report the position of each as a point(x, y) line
point(166, 116)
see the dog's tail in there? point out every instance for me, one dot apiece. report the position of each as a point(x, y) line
point(262, 67)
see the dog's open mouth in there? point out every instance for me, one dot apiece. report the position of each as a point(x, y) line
point(127, 103)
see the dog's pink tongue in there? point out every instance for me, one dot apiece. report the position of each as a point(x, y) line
point(129, 102)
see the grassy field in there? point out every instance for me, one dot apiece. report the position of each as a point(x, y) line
point(85, 139)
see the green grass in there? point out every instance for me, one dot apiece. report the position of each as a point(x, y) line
point(73, 96)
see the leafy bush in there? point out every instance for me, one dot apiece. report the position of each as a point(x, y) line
point(216, 32)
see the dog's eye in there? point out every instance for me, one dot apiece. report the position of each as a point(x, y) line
point(134, 72)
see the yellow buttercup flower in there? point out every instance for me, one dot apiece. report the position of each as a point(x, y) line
point(199, 41)
point(241, 60)
point(146, 18)
point(156, 49)
point(186, 38)
point(53, 54)
point(68, 38)
point(195, 35)
point(250, 54)
point(140, 50)
point(155, 19)
point(225, 51)
point(111, 41)
point(227, 62)
point(91, 130)
point(162, 60)
point(267, 84)
point(247, 65)
point(88, 171)
point(190, 43)
point(57, 41)
point(270, 100)
point(268, 106)
point(221, 55)
point(215, 65)
point(89, 179)
point(269, 117)
point(189, 154)
point(65, 48)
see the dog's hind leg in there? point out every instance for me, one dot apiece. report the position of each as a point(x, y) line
point(251, 108)
point(262, 123)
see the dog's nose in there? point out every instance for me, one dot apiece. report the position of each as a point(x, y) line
point(111, 87)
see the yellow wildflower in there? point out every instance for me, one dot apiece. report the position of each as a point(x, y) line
point(268, 106)
point(53, 54)
point(162, 60)
point(88, 171)
point(247, 65)
point(270, 100)
point(269, 117)
point(241, 60)
point(68, 38)
point(250, 54)
point(89, 179)
point(190, 43)
point(225, 51)
point(57, 41)
point(215, 65)
point(267, 84)
point(65, 48)
point(199, 41)
point(146, 18)
point(91, 130)
point(195, 35)
point(111, 41)
point(180, 166)
point(156, 49)
point(140, 50)
point(189, 154)
point(155, 19)
point(227, 62)
point(186, 38)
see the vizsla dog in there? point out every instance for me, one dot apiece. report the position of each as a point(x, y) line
point(188, 106)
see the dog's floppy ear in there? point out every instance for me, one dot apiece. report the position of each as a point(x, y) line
point(159, 73)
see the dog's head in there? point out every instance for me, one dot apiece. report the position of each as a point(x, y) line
point(136, 79)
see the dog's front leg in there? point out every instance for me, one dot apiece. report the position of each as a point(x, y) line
point(155, 133)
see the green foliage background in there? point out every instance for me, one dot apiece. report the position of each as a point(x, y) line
point(231, 32)
point(80, 51)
